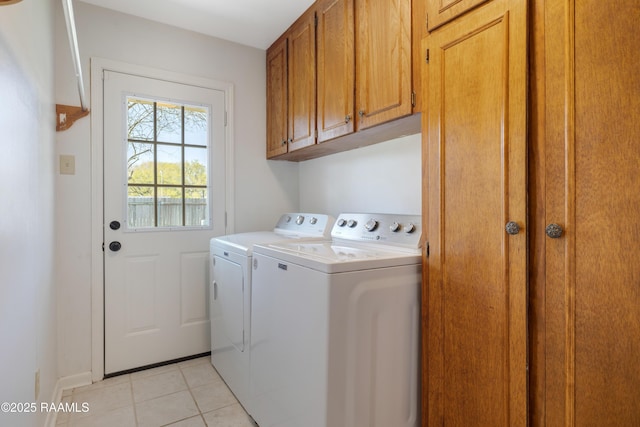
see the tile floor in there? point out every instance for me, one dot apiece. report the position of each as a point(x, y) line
point(185, 394)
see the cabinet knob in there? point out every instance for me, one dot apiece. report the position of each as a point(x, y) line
point(361, 113)
point(553, 230)
point(512, 228)
point(347, 118)
point(284, 142)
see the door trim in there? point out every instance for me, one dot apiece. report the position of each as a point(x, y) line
point(98, 66)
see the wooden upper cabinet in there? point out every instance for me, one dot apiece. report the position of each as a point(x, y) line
point(383, 61)
point(291, 88)
point(277, 99)
point(336, 68)
point(418, 32)
point(475, 155)
point(442, 11)
point(302, 82)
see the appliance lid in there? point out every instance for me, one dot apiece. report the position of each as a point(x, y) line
point(338, 257)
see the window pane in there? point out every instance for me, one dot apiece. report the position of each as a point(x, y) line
point(196, 207)
point(140, 207)
point(169, 165)
point(195, 166)
point(169, 123)
point(169, 207)
point(140, 119)
point(195, 125)
point(140, 163)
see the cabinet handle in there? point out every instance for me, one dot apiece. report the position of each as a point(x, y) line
point(554, 231)
point(361, 113)
point(284, 142)
point(512, 228)
point(347, 118)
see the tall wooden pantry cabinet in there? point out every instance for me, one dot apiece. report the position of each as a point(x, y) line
point(585, 187)
point(475, 298)
point(531, 296)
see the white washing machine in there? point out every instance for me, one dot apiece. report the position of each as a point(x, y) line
point(230, 292)
point(335, 326)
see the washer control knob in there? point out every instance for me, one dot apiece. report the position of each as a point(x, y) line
point(371, 225)
point(313, 220)
point(409, 228)
point(299, 219)
point(395, 227)
point(352, 223)
point(342, 222)
point(288, 220)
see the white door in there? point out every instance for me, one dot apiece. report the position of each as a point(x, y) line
point(164, 199)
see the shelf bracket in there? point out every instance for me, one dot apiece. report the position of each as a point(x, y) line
point(66, 115)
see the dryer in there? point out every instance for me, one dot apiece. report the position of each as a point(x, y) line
point(230, 292)
point(335, 326)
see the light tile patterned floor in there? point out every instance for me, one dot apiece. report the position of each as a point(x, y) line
point(185, 394)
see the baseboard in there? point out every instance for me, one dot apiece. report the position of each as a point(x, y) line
point(62, 384)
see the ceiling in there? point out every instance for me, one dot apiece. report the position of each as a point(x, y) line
point(256, 23)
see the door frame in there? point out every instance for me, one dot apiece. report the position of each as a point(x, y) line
point(98, 66)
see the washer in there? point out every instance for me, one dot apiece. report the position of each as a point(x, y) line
point(335, 326)
point(230, 292)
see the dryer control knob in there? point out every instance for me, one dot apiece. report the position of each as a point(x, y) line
point(299, 219)
point(342, 222)
point(371, 225)
point(395, 227)
point(409, 228)
point(352, 223)
point(313, 220)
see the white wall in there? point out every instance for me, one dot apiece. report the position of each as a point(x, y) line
point(27, 129)
point(263, 189)
point(381, 178)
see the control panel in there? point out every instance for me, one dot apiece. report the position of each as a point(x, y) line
point(391, 229)
point(311, 224)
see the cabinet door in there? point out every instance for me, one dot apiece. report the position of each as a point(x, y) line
point(442, 11)
point(475, 297)
point(383, 61)
point(277, 101)
point(586, 290)
point(336, 71)
point(302, 82)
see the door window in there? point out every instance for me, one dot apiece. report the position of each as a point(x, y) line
point(167, 164)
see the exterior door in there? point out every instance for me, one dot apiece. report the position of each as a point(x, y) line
point(475, 298)
point(164, 198)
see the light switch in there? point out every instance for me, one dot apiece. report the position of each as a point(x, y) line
point(67, 164)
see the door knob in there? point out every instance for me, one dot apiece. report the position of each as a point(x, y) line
point(554, 231)
point(114, 225)
point(115, 246)
point(512, 228)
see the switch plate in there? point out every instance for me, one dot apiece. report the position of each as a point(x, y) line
point(67, 164)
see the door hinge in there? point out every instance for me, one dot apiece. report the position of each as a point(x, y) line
point(225, 220)
point(315, 20)
point(413, 98)
point(426, 56)
point(427, 250)
point(102, 246)
point(225, 118)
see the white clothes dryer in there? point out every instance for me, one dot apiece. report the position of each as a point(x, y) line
point(335, 326)
point(230, 292)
